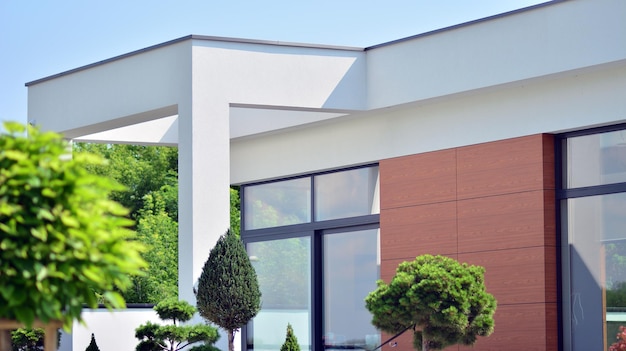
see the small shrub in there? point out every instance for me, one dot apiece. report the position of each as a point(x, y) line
point(291, 342)
point(24, 339)
point(173, 337)
point(92, 344)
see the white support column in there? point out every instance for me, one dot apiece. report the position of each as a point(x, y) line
point(204, 198)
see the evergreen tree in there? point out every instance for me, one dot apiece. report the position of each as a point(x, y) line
point(228, 291)
point(92, 344)
point(291, 342)
point(444, 301)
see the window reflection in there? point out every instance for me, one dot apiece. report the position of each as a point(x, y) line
point(346, 194)
point(277, 204)
point(351, 269)
point(283, 269)
point(597, 240)
point(596, 159)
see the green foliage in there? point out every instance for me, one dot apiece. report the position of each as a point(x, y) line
point(24, 339)
point(616, 297)
point(155, 337)
point(235, 211)
point(175, 310)
point(291, 342)
point(141, 169)
point(159, 233)
point(92, 344)
point(150, 174)
point(280, 271)
point(27, 339)
point(445, 299)
point(61, 238)
point(228, 291)
point(146, 333)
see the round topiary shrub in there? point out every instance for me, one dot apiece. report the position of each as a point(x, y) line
point(63, 243)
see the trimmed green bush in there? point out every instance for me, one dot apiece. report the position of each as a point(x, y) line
point(228, 290)
point(173, 337)
point(442, 300)
point(63, 243)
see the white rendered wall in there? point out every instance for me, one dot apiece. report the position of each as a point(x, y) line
point(134, 89)
point(547, 40)
point(114, 331)
point(306, 77)
point(578, 100)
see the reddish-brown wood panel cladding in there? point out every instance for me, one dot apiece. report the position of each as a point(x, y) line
point(403, 342)
point(418, 179)
point(513, 276)
point(551, 275)
point(548, 161)
point(503, 222)
point(490, 204)
point(416, 230)
point(527, 327)
point(501, 167)
point(549, 217)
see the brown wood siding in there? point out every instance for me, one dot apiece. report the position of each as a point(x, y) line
point(490, 204)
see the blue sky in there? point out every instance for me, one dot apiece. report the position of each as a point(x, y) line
point(39, 38)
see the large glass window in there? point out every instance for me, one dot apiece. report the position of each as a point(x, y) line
point(314, 242)
point(284, 272)
point(593, 208)
point(351, 268)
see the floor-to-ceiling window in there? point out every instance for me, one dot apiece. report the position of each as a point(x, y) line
point(592, 196)
point(314, 242)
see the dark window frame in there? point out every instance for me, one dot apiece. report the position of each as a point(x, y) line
point(315, 230)
point(562, 194)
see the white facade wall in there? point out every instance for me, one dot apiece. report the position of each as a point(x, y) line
point(116, 93)
point(113, 331)
point(591, 98)
point(545, 41)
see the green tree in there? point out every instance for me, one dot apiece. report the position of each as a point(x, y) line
point(159, 233)
point(444, 301)
point(61, 238)
point(228, 291)
point(141, 169)
point(150, 174)
point(92, 344)
point(174, 337)
point(291, 342)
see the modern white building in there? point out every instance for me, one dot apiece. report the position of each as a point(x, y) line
point(500, 142)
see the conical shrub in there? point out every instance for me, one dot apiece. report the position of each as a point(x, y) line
point(92, 344)
point(291, 342)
